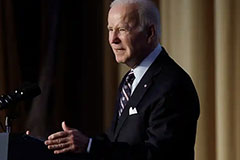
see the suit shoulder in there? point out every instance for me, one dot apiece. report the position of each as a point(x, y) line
point(172, 69)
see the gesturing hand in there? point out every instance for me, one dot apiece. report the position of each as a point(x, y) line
point(68, 140)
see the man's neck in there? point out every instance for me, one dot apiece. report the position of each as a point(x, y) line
point(143, 56)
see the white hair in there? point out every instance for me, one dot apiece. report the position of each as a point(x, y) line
point(148, 13)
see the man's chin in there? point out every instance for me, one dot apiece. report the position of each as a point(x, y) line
point(119, 60)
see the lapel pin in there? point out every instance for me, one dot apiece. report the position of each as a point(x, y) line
point(145, 85)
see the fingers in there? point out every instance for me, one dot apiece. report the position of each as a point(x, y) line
point(58, 135)
point(61, 148)
point(58, 146)
point(68, 140)
point(62, 145)
point(56, 141)
point(64, 150)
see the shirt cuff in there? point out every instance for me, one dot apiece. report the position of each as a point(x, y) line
point(89, 145)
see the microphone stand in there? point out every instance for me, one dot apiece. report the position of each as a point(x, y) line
point(8, 124)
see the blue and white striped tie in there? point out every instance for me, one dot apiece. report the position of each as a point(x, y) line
point(126, 91)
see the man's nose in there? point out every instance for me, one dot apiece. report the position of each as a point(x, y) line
point(114, 38)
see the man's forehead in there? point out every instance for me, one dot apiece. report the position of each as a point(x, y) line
point(125, 13)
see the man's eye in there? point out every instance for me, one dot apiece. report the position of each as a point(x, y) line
point(110, 29)
point(122, 29)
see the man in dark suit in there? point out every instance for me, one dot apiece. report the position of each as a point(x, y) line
point(157, 106)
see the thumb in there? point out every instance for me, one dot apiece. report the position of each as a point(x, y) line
point(65, 127)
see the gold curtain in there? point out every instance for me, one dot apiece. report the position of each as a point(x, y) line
point(204, 38)
point(188, 35)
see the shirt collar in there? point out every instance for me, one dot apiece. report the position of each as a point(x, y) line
point(140, 70)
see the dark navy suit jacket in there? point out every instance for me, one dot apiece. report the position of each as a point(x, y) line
point(164, 127)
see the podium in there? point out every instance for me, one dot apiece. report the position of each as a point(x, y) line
point(24, 147)
point(4, 139)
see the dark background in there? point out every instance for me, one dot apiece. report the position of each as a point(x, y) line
point(57, 44)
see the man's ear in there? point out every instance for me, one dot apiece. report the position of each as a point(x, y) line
point(151, 33)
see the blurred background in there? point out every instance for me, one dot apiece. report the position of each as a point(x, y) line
point(62, 45)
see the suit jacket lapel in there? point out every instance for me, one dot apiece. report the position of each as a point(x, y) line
point(140, 90)
point(115, 116)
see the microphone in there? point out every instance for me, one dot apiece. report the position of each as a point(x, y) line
point(27, 91)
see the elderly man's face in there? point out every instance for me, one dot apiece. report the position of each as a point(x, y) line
point(127, 39)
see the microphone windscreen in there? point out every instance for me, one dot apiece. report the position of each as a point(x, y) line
point(27, 91)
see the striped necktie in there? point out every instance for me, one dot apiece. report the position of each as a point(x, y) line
point(126, 91)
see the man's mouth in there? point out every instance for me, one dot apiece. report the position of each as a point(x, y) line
point(119, 49)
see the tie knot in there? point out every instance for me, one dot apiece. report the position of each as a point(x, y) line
point(130, 77)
